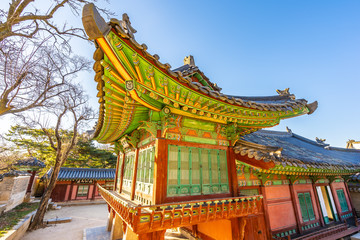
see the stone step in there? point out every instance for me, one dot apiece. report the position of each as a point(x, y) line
point(58, 220)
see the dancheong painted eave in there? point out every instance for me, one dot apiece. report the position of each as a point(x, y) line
point(132, 84)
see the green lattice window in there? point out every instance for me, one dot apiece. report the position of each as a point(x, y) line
point(249, 192)
point(128, 169)
point(195, 171)
point(145, 170)
point(82, 190)
point(307, 210)
point(342, 200)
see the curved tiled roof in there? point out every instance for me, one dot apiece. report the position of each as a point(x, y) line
point(123, 107)
point(297, 151)
point(86, 174)
point(30, 162)
point(180, 74)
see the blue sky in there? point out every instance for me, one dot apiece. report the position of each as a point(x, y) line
point(255, 47)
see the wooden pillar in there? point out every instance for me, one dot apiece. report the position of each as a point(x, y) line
point(31, 181)
point(232, 172)
point(71, 191)
point(242, 228)
point(266, 212)
point(318, 205)
point(350, 201)
point(117, 228)
point(338, 209)
point(297, 214)
point(160, 171)
point(94, 190)
point(110, 220)
point(133, 185)
point(122, 172)
point(235, 228)
point(116, 171)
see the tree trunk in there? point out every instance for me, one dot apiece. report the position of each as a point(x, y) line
point(40, 213)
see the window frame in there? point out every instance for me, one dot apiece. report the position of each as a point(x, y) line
point(87, 191)
point(309, 217)
point(342, 200)
point(210, 160)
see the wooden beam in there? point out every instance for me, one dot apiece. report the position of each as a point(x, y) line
point(297, 214)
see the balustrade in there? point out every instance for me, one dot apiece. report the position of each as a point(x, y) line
point(148, 218)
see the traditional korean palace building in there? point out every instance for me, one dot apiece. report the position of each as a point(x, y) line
point(185, 158)
point(81, 183)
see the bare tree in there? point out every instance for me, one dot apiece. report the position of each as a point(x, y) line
point(34, 74)
point(71, 112)
point(36, 58)
point(24, 19)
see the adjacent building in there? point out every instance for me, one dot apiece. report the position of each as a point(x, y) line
point(81, 183)
point(190, 156)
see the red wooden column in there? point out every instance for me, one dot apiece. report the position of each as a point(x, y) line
point(266, 211)
point(160, 171)
point(234, 188)
point(297, 215)
point(31, 181)
point(133, 185)
point(232, 172)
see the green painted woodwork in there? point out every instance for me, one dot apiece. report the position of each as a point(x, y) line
point(200, 140)
point(342, 200)
point(249, 192)
point(128, 169)
point(159, 89)
point(198, 124)
point(195, 171)
point(310, 226)
point(145, 170)
point(306, 207)
point(286, 233)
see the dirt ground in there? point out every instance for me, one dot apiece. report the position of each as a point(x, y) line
point(87, 216)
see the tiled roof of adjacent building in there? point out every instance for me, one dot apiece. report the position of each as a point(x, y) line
point(290, 149)
point(86, 174)
point(30, 162)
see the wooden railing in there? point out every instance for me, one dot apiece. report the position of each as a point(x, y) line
point(142, 219)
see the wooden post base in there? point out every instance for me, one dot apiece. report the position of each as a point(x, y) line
point(117, 228)
point(110, 221)
point(130, 235)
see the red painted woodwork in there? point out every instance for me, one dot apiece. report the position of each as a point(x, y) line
point(280, 207)
point(220, 229)
point(296, 210)
point(59, 193)
point(255, 228)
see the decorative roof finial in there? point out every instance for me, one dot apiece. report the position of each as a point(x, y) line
point(288, 130)
point(320, 140)
point(125, 25)
point(352, 144)
point(284, 92)
point(189, 60)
